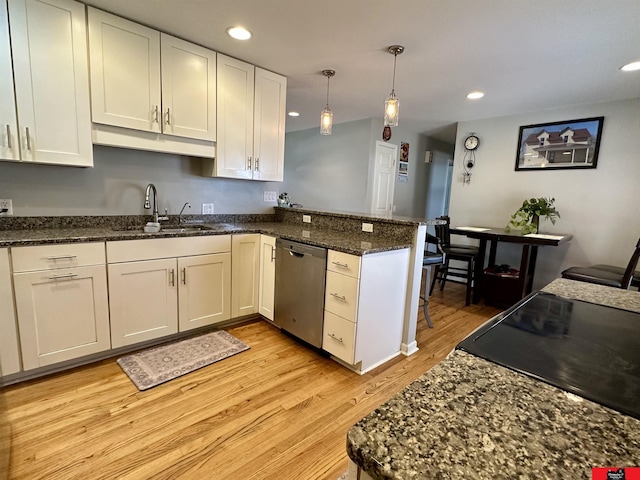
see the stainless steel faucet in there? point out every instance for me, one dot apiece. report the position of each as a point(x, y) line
point(186, 204)
point(152, 188)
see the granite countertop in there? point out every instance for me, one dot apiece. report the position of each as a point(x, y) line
point(353, 243)
point(470, 418)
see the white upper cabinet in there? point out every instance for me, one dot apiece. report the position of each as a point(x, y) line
point(145, 80)
point(49, 51)
point(251, 117)
point(9, 149)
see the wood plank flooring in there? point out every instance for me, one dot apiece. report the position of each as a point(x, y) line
point(276, 411)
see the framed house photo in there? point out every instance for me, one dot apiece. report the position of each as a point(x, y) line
point(559, 145)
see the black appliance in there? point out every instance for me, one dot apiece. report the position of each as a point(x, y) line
point(586, 349)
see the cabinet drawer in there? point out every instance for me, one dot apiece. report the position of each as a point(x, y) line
point(47, 257)
point(338, 337)
point(341, 295)
point(157, 248)
point(343, 263)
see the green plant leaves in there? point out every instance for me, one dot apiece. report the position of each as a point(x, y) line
point(540, 207)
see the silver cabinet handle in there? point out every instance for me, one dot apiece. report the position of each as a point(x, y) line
point(172, 278)
point(27, 138)
point(273, 254)
point(67, 276)
point(168, 120)
point(184, 276)
point(155, 114)
point(339, 297)
point(336, 338)
point(257, 166)
point(9, 137)
point(249, 163)
point(62, 257)
point(341, 265)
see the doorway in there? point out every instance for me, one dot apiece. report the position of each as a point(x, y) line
point(384, 178)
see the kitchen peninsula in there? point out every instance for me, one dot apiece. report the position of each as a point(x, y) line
point(471, 418)
point(338, 231)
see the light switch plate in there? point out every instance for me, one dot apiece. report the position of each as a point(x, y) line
point(306, 218)
point(6, 204)
point(367, 227)
point(270, 197)
point(207, 208)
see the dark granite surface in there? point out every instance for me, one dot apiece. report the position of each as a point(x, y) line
point(349, 242)
point(470, 418)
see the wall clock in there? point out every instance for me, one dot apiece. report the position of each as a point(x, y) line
point(471, 144)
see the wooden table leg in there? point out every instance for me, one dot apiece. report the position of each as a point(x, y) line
point(478, 269)
point(524, 270)
point(532, 268)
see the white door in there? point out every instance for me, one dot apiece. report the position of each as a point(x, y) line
point(125, 72)
point(143, 300)
point(9, 149)
point(188, 89)
point(62, 314)
point(204, 290)
point(245, 251)
point(269, 124)
point(49, 44)
point(267, 280)
point(384, 178)
point(234, 148)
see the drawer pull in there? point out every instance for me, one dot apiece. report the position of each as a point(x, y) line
point(341, 265)
point(67, 276)
point(9, 137)
point(273, 254)
point(184, 276)
point(172, 278)
point(62, 257)
point(336, 338)
point(339, 297)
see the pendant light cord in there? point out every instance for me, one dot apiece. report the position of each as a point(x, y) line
point(328, 78)
point(393, 83)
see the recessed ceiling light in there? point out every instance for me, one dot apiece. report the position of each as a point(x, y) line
point(294, 114)
point(475, 95)
point(631, 67)
point(239, 33)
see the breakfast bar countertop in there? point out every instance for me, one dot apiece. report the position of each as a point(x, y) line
point(470, 418)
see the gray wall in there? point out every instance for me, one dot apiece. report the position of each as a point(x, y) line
point(115, 186)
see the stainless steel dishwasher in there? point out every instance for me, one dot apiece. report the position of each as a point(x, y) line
point(300, 277)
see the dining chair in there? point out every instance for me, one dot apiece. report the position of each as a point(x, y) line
point(462, 253)
point(433, 259)
point(608, 275)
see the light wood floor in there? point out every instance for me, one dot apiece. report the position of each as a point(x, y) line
point(276, 411)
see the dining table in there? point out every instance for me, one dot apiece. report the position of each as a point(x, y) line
point(503, 289)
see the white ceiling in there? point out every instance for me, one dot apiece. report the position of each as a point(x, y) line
point(526, 55)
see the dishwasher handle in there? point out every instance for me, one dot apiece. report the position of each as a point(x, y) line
point(296, 254)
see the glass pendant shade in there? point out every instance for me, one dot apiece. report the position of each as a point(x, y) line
point(391, 108)
point(326, 121)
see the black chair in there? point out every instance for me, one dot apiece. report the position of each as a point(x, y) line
point(433, 258)
point(608, 275)
point(462, 253)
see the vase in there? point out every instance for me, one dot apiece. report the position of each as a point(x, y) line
point(535, 221)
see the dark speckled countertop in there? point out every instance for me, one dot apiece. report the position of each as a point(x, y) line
point(470, 418)
point(348, 242)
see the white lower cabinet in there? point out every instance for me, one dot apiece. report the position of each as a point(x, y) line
point(245, 251)
point(61, 302)
point(9, 350)
point(267, 280)
point(161, 286)
point(364, 307)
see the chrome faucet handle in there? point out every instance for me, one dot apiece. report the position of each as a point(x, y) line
point(165, 217)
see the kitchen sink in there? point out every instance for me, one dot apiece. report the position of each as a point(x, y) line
point(182, 229)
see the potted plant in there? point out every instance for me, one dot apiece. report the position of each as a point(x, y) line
point(527, 217)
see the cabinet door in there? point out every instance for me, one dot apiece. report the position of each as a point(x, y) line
point(9, 353)
point(9, 149)
point(125, 72)
point(188, 89)
point(234, 148)
point(245, 250)
point(62, 314)
point(267, 280)
point(204, 293)
point(143, 300)
point(269, 125)
point(49, 45)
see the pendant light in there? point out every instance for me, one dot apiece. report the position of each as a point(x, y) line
point(392, 104)
point(326, 117)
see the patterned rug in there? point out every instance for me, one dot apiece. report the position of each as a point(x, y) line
point(158, 365)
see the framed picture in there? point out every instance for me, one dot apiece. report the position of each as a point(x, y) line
point(559, 145)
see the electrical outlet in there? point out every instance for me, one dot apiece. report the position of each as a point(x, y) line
point(270, 197)
point(6, 207)
point(367, 227)
point(306, 218)
point(207, 209)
